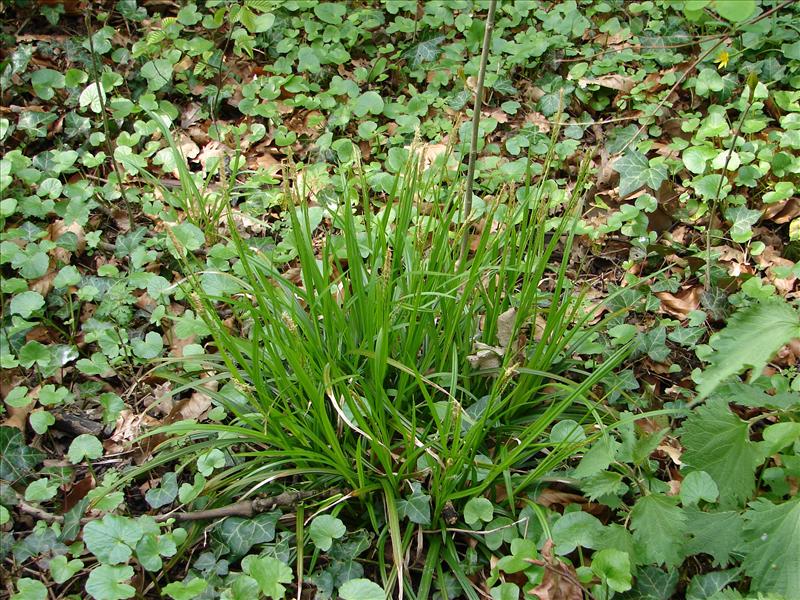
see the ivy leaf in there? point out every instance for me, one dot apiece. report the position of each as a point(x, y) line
point(17, 459)
point(706, 585)
point(478, 509)
point(324, 529)
point(181, 590)
point(165, 493)
point(269, 573)
point(417, 508)
point(425, 51)
point(773, 547)
point(157, 73)
point(104, 583)
point(653, 584)
point(742, 219)
point(636, 172)
point(361, 589)
point(241, 534)
point(717, 441)
point(659, 529)
point(751, 337)
point(718, 534)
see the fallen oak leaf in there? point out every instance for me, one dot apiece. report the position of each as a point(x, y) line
point(560, 580)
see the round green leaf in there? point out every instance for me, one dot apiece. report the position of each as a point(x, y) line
point(324, 529)
point(26, 303)
point(361, 589)
point(30, 589)
point(613, 567)
point(181, 590)
point(84, 446)
point(696, 486)
point(735, 10)
point(368, 102)
point(478, 509)
point(105, 583)
point(63, 569)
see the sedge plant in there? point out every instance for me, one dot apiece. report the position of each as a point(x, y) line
point(361, 371)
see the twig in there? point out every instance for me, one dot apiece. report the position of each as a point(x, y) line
point(751, 84)
point(106, 128)
point(248, 508)
point(476, 121)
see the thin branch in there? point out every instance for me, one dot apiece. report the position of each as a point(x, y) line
point(476, 120)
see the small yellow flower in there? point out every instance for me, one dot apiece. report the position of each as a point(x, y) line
point(722, 59)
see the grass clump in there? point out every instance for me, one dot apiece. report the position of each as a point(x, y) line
point(388, 370)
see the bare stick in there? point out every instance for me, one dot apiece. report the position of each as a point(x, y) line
point(476, 120)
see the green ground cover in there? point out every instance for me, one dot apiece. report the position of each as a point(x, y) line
point(244, 355)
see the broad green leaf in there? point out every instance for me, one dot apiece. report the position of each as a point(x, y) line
point(778, 436)
point(41, 420)
point(659, 528)
point(718, 534)
point(735, 10)
point(157, 73)
point(84, 446)
point(151, 548)
point(181, 590)
point(30, 589)
point(417, 508)
point(598, 457)
point(575, 529)
point(368, 103)
point(330, 12)
point(106, 583)
point(567, 431)
point(613, 567)
point(652, 583)
point(718, 442)
point(44, 81)
point(190, 491)
point(361, 589)
point(696, 486)
point(165, 493)
point(636, 171)
point(706, 585)
point(505, 591)
point(742, 220)
point(62, 569)
point(92, 96)
point(477, 510)
point(17, 459)
point(240, 534)
point(750, 338)
point(150, 347)
point(213, 459)
point(189, 236)
point(67, 276)
point(26, 303)
point(112, 540)
point(270, 573)
point(324, 529)
point(307, 60)
point(41, 490)
point(772, 551)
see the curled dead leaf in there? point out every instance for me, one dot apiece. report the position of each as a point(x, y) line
point(682, 303)
point(613, 81)
point(560, 580)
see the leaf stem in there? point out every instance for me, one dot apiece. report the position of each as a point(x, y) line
point(476, 120)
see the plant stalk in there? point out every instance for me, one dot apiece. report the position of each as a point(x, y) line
point(476, 120)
